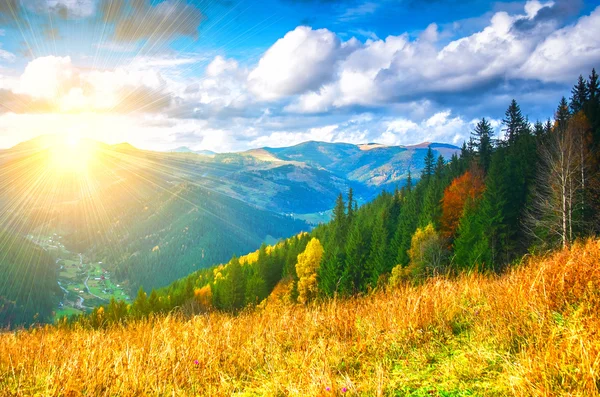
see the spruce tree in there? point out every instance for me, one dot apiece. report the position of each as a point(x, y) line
point(482, 136)
point(513, 121)
point(330, 272)
point(593, 88)
point(579, 95)
point(357, 252)
point(429, 167)
point(539, 129)
point(562, 115)
point(350, 205)
point(378, 263)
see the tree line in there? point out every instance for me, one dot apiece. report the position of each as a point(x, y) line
point(534, 188)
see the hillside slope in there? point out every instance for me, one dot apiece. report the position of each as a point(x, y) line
point(532, 331)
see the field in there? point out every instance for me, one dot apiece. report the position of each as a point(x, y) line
point(531, 332)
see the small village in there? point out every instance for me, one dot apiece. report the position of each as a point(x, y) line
point(84, 285)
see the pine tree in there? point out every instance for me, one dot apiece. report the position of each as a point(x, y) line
point(440, 166)
point(234, 286)
point(330, 272)
point(514, 122)
point(339, 221)
point(579, 95)
point(408, 181)
point(548, 127)
point(562, 115)
point(429, 167)
point(593, 87)
point(357, 252)
point(377, 263)
point(153, 302)
point(140, 305)
point(350, 205)
point(539, 129)
point(482, 136)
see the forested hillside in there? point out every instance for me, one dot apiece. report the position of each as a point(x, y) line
point(533, 189)
point(28, 288)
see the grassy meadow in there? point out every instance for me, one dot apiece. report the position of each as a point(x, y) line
point(534, 331)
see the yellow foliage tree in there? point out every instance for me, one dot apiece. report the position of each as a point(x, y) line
point(427, 253)
point(204, 297)
point(306, 269)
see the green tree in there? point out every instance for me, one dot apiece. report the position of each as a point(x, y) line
point(483, 138)
point(579, 96)
point(513, 121)
point(429, 166)
point(357, 252)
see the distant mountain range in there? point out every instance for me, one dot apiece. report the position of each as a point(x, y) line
point(153, 217)
point(304, 179)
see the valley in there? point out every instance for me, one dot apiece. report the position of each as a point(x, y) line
point(85, 285)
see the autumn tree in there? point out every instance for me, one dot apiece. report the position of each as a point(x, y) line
point(427, 253)
point(465, 189)
point(306, 270)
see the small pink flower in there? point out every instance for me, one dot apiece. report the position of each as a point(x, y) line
point(344, 389)
point(196, 362)
point(328, 388)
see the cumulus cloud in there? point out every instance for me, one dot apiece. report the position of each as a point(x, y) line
point(54, 84)
point(401, 69)
point(304, 59)
point(566, 52)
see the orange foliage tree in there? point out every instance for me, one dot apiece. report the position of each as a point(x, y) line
point(466, 188)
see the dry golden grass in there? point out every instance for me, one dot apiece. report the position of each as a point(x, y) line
point(533, 331)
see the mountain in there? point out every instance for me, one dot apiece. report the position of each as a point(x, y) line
point(185, 149)
point(305, 179)
point(115, 204)
point(153, 217)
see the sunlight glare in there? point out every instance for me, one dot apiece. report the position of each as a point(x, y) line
point(69, 153)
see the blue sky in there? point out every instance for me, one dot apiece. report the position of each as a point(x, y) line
point(230, 75)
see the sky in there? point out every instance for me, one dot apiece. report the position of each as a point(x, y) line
point(231, 75)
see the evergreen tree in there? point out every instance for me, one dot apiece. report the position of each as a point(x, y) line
point(234, 286)
point(409, 182)
point(429, 167)
point(357, 253)
point(440, 166)
point(548, 127)
point(539, 129)
point(378, 263)
point(140, 305)
point(513, 121)
point(339, 221)
point(593, 88)
point(482, 136)
point(562, 115)
point(579, 95)
point(350, 205)
point(330, 272)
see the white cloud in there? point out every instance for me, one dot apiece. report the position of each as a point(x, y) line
point(304, 59)
point(566, 52)
point(399, 69)
point(47, 77)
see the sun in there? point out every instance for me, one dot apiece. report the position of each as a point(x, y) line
point(69, 153)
